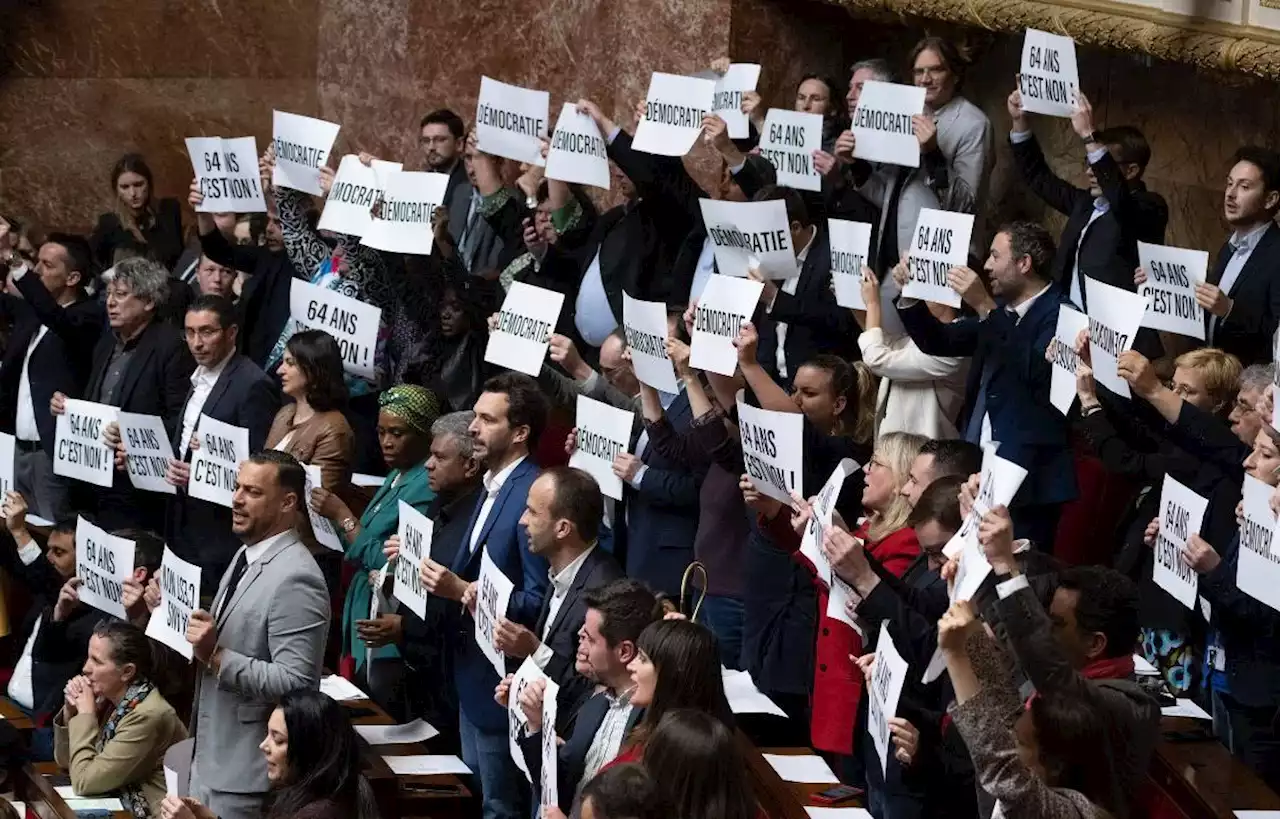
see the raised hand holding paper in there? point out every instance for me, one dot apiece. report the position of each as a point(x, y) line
point(324, 530)
point(673, 112)
point(1048, 79)
point(1062, 347)
point(788, 142)
point(147, 451)
point(727, 103)
point(772, 450)
point(302, 146)
point(227, 172)
point(517, 721)
point(824, 506)
point(1114, 318)
point(525, 323)
point(415, 530)
point(578, 151)
point(493, 592)
point(850, 243)
point(645, 325)
point(179, 596)
point(939, 243)
point(1181, 513)
point(215, 466)
point(726, 303)
point(887, 678)
point(882, 124)
point(511, 121)
point(103, 563)
point(356, 189)
point(403, 222)
point(351, 322)
point(750, 234)
point(78, 450)
point(1170, 288)
point(1258, 567)
point(604, 433)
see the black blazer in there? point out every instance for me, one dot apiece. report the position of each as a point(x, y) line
point(264, 301)
point(199, 531)
point(59, 363)
point(1247, 330)
point(59, 653)
point(164, 242)
point(597, 571)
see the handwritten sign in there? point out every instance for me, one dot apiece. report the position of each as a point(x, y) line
point(215, 465)
point(727, 101)
point(604, 433)
point(1062, 354)
point(147, 451)
point(324, 530)
point(403, 223)
point(227, 172)
point(1170, 289)
point(750, 234)
point(939, 243)
point(887, 678)
point(493, 592)
point(850, 246)
point(415, 531)
point(881, 124)
point(511, 121)
point(645, 324)
point(525, 323)
point(1048, 79)
point(727, 302)
point(1114, 318)
point(352, 323)
point(302, 147)
point(673, 110)
point(788, 142)
point(1181, 513)
point(824, 506)
point(356, 189)
point(1258, 566)
point(772, 449)
point(179, 596)
point(578, 150)
point(78, 450)
point(103, 563)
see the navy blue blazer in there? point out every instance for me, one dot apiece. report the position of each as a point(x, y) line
point(1031, 432)
point(198, 531)
point(508, 545)
point(1247, 330)
point(572, 755)
point(662, 515)
point(1250, 633)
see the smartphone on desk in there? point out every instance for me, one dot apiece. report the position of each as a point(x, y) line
point(836, 795)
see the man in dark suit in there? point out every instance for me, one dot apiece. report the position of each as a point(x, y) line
point(1007, 398)
point(227, 387)
point(1104, 223)
point(562, 516)
point(54, 330)
point(141, 364)
point(615, 615)
point(798, 317)
point(1242, 296)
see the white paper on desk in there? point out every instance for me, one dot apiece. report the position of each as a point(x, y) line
point(837, 813)
point(1142, 668)
point(340, 689)
point(1240, 814)
point(426, 765)
point(1185, 708)
point(107, 804)
point(743, 696)
point(416, 731)
point(810, 770)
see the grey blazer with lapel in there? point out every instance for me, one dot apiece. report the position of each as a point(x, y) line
point(272, 633)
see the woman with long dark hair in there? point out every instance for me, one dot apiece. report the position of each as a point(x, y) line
point(697, 767)
point(139, 223)
point(312, 427)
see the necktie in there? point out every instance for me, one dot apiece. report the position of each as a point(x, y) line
point(889, 251)
point(471, 235)
point(237, 572)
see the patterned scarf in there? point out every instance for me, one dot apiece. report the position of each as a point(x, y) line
point(130, 795)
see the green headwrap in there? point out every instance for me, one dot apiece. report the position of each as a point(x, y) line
point(417, 406)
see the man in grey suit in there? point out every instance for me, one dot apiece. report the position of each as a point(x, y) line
point(264, 637)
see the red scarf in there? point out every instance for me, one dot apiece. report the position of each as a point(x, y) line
point(1113, 668)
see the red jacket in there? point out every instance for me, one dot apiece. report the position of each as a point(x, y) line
point(837, 682)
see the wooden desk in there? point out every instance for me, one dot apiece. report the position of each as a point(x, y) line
point(778, 798)
point(1202, 780)
point(32, 786)
point(12, 714)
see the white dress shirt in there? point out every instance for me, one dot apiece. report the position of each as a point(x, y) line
point(492, 486)
point(25, 423)
point(202, 381)
point(560, 585)
point(1020, 312)
point(608, 738)
point(789, 286)
point(1242, 246)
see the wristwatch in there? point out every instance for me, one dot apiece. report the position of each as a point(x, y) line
point(348, 525)
point(1092, 136)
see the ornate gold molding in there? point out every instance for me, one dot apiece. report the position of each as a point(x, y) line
point(1202, 43)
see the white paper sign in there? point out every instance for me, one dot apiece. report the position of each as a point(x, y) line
point(604, 433)
point(103, 563)
point(727, 102)
point(673, 110)
point(215, 465)
point(302, 147)
point(352, 323)
point(882, 123)
point(1048, 78)
point(511, 121)
point(356, 189)
point(788, 142)
point(493, 592)
point(403, 223)
point(841, 598)
point(7, 445)
point(517, 722)
point(1062, 352)
point(177, 768)
point(939, 243)
point(525, 323)
point(850, 246)
point(147, 451)
point(416, 531)
point(411, 732)
point(887, 678)
point(1181, 513)
point(772, 450)
point(578, 152)
point(1170, 289)
point(645, 324)
point(823, 507)
point(227, 172)
point(550, 757)
point(324, 530)
point(750, 234)
point(727, 302)
point(997, 485)
point(744, 697)
point(1114, 318)
point(179, 596)
point(1258, 567)
point(78, 451)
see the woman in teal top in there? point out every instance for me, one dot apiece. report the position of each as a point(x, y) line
point(405, 416)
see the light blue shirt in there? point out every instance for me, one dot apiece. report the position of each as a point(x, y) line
point(702, 274)
point(592, 314)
